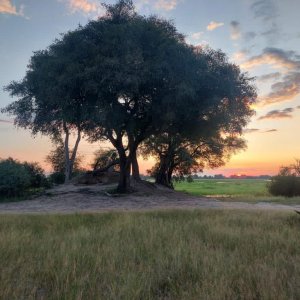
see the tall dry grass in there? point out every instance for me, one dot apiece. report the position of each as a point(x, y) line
point(155, 255)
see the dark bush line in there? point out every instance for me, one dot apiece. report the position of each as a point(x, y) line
point(285, 185)
point(18, 179)
point(287, 182)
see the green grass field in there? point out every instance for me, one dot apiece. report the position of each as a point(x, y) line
point(155, 255)
point(245, 190)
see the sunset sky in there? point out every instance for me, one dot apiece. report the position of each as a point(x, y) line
point(262, 36)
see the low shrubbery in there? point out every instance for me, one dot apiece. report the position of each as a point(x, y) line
point(287, 182)
point(288, 186)
point(18, 179)
point(57, 178)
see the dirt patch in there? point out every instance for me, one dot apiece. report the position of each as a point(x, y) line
point(81, 198)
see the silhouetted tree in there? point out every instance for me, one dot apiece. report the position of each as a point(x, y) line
point(52, 97)
point(126, 78)
point(57, 159)
point(144, 75)
point(105, 159)
point(215, 134)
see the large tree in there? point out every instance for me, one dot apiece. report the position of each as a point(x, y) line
point(217, 133)
point(145, 76)
point(123, 78)
point(180, 156)
point(52, 97)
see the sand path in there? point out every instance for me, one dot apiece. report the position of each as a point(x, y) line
point(72, 199)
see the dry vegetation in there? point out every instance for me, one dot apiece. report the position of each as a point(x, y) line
point(156, 255)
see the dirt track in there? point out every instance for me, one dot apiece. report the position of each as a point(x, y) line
point(73, 199)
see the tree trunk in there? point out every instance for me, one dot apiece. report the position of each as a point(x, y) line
point(106, 168)
point(170, 173)
point(67, 157)
point(135, 167)
point(74, 152)
point(124, 180)
point(162, 174)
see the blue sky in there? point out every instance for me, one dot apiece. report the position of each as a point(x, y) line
point(262, 36)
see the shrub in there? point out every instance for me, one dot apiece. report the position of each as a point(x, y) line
point(285, 185)
point(57, 178)
point(189, 179)
point(37, 175)
point(14, 178)
point(287, 182)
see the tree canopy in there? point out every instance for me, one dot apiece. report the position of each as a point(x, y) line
point(131, 79)
point(211, 138)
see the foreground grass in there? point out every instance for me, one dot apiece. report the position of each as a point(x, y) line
point(154, 255)
point(232, 190)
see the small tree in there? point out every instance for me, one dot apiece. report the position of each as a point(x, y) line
point(105, 159)
point(57, 159)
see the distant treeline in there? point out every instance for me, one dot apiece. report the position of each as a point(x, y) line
point(220, 176)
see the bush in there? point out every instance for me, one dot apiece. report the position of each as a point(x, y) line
point(18, 179)
point(189, 179)
point(57, 178)
point(14, 178)
point(37, 175)
point(285, 185)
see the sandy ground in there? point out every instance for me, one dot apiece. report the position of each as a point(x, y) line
point(72, 199)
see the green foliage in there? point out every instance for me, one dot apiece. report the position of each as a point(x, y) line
point(105, 158)
point(57, 159)
point(57, 178)
point(189, 179)
point(287, 182)
point(125, 78)
point(288, 186)
point(14, 178)
point(18, 179)
point(37, 175)
point(212, 133)
point(180, 255)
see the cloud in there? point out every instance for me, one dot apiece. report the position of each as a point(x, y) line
point(264, 9)
point(213, 25)
point(278, 114)
point(254, 130)
point(197, 36)
point(273, 56)
point(250, 130)
point(270, 76)
point(289, 62)
point(235, 30)
point(285, 90)
point(166, 4)
point(6, 7)
point(87, 7)
point(82, 5)
point(267, 12)
point(6, 121)
point(240, 55)
point(251, 35)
